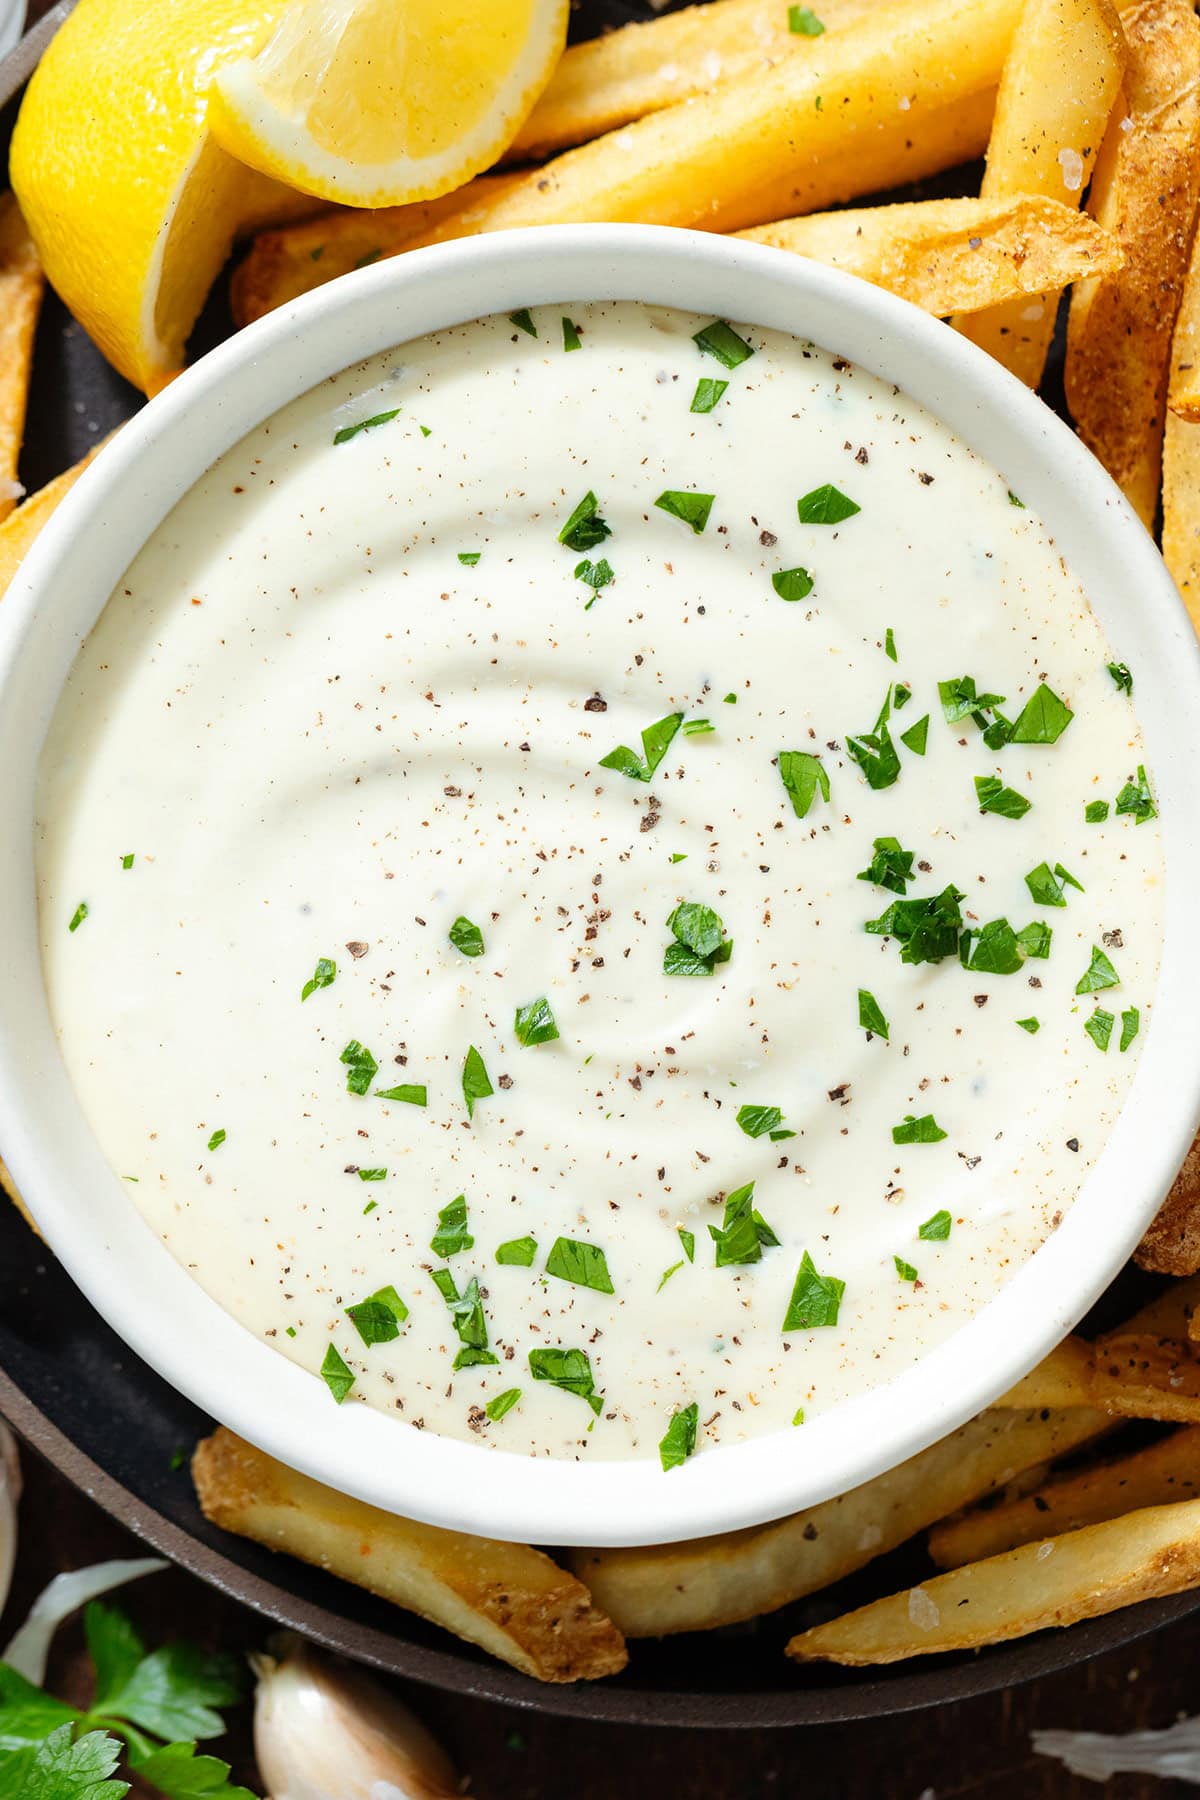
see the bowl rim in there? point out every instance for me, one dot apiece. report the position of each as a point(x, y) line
point(114, 1256)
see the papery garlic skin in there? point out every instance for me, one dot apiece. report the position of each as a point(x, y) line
point(10, 1493)
point(325, 1732)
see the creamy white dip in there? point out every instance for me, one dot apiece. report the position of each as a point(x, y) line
point(355, 691)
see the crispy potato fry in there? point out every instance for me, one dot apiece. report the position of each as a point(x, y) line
point(18, 531)
point(1183, 390)
point(808, 131)
point(953, 255)
point(612, 80)
point(712, 1581)
point(1140, 1556)
point(1139, 1375)
point(21, 284)
point(1181, 550)
point(1144, 190)
point(1061, 1379)
point(1056, 93)
point(1166, 1471)
point(298, 258)
point(507, 1598)
point(1171, 1246)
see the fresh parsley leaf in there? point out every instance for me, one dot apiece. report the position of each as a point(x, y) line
point(1099, 1028)
point(904, 1270)
point(218, 1138)
point(1045, 887)
point(743, 1232)
point(927, 929)
point(519, 1252)
point(889, 643)
point(179, 1772)
point(804, 21)
point(722, 341)
point(826, 506)
point(452, 1235)
point(757, 1121)
point(815, 1298)
point(876, 756)
point(349, 431)
point(584, 1265)
point(567, 1369)
point(996, 950)
point(337, 1375)
point(361, 1066)
point(595, 574)
point(960, 700)
point(1136, 798)
point(688, 1240)
point(924, 1130)
point(378, 1318)
point(503, 1403)
point(901, 693)
point(63, 1767)
point(679, 1441)
point(1095, 812)
point(870, 1014)
point(667, 1274)
point(693, 509)
point(1130, 1025)
point(803, 776)
point(469, 558)
point(935, 1229)
point(917, 735)
point(656, 741)
point(172, 1692)
point(475, 1083)
point(1099, 974)
point(1122, 677)
point(707, 393)
point(1034, 939)
point(323, 976)
point(466, 1312)
point(1042, 719)
point(698, 728)
point(523, 320)
point(466, 937)
point(78, 916)
point(798, 1416)
point(127, 860)
point(585, 528)
point(700, 943)
point(1013, 501)
point(792, 584)
point(534, 1024)
point(1032, 1026)
point(890, 867)
point(411, 1093)
point(994, 797)
point(570, 331)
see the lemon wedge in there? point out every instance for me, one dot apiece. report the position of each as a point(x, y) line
point(132, 205)
point(379, 102)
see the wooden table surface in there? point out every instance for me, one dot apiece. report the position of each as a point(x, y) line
point(979, 1749)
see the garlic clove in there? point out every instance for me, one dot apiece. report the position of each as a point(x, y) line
point(323, 1731)
point(10, 1493)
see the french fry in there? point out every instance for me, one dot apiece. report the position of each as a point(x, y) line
point(1183, 390)
point(1140, 1556)
point(1181, 551)
point(1138, 1375)
point(653, 1591)
point(1056, 93)
point(21, 284)
point(1171, 1245)
point(1144, 191)
point(642, 68)
point(1061, 1379)
point(1163, 1472)
point(507, 1598)
point(811, 130)
point(18, 531)
point(953, 255)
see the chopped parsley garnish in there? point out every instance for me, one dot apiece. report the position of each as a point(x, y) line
point(757, 1121)
point(1032, 1026)
point(1048, 886)
point(1136, 798)
point(802, 775)
point(370, 1207)
point(1130, 1025)
point(926, 929)
point(804, 21)
point(469, 557)
point(924, 1130)
point(534, 1024)
point(466, 1311)
point(466, 937)
point(935, 1229)
point(722, 341)
point(567, 1369)
point(960, 700)
point(1034, 939)
point(1095, 812)
point(870, 1014)
point(798, 1416)
point(667, 1274)
point(679, 1442)
point(1099, 1028)
point(1122, 677)
point(582, 1264)
point(826, 506)
point(730, 700)
point(217, 1139)
point(890, 867)
point(698, 727)
point(904, 1270)
point(595, 574)
point(707, 393)
point(361, 1067)
point(452, 1235)
point(424, 431)
point(348, 431)
point(78, 916)
point(337, 1375)
point(502, 1403)
point(1013, 501)
point(378, 1318)
point(901, 694)
point(700, 941)
point(994, 797)
point(656, 741)
point(693, 509)
point(1099, 974)
point(519, 1252)
point(411, 1093)
point(371, 1174)
point(792, 584)
point(875, 753)
point(815, 1298)
point(475, 1083)
point(127, 860)
point(889, 643)
point(996, 949)
point(678, 856)
point(688, 1240)
point(570, 331)
point(1042, 719)
point(585, 528)
point(917, 735)
point(323, 976)
point(523, 320)
point(743, 1232)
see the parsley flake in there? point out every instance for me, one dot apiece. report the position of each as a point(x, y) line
point(534, 1024)
point(1136, 798)
point(870, 1014)
point(927, 929)
point(1099, 974)
point(475, 1083)
point(378, 1318)
point(1122, 677)
point(924, 1130)
point(584, 1265)
point(410, 1093)
point(889, 644)
point(890, 867)
point(1095, 812)
point(693, 509)
point(466, 937)
point(217, 1139)
point(571, 338)
point(570, 1370)
point(519, 1252)
point(1032, 1026)
point(361, 1067)
point(803, 775)
point(501, 1404)
point(127, 860)
point(1099, 1028)
point(1042, 719)
point(656, 741)
point(679, 1441)
point(1130, 1025)
point(452, 1235)
point(78, 916)
point(904, 1270)
point(323, 976)
point(826, 506)
point(595, 574)
point(469, 557)
point(467, 1315)
point(994, 797)
point(743, 1232)
point(585, 528)
point(722, 341)
point(804, 21)
point(936, 1228)
point(757, 1121)
point(523, 320)
point(337, 1375)
point(792, 584)
point(815, 1299)
point(700, 941)
point(349, 431)
point(707, 393)
point(917, 735)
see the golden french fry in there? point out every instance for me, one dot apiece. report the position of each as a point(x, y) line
point(1139, 1375)
point(1140, 1556)
point(21, 284)
point(1181, 551)
point(1183, 390)
point(18, 531)
point(1144, 190)
point(953, 255)
point(1171, 1245)
point(1056, 93)
point(712, 1581)
point(642, 68)
point(1061, 1379)
point(808, 131)
point(1163, 1472)
point(507, 1598)
point(294, 260)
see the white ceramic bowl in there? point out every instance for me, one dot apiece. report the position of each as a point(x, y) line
point(85, 1211)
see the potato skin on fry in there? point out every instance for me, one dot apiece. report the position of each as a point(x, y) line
point(1171, 1245)
point(18, 531)
point(21, 285)
point(507, 1598)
